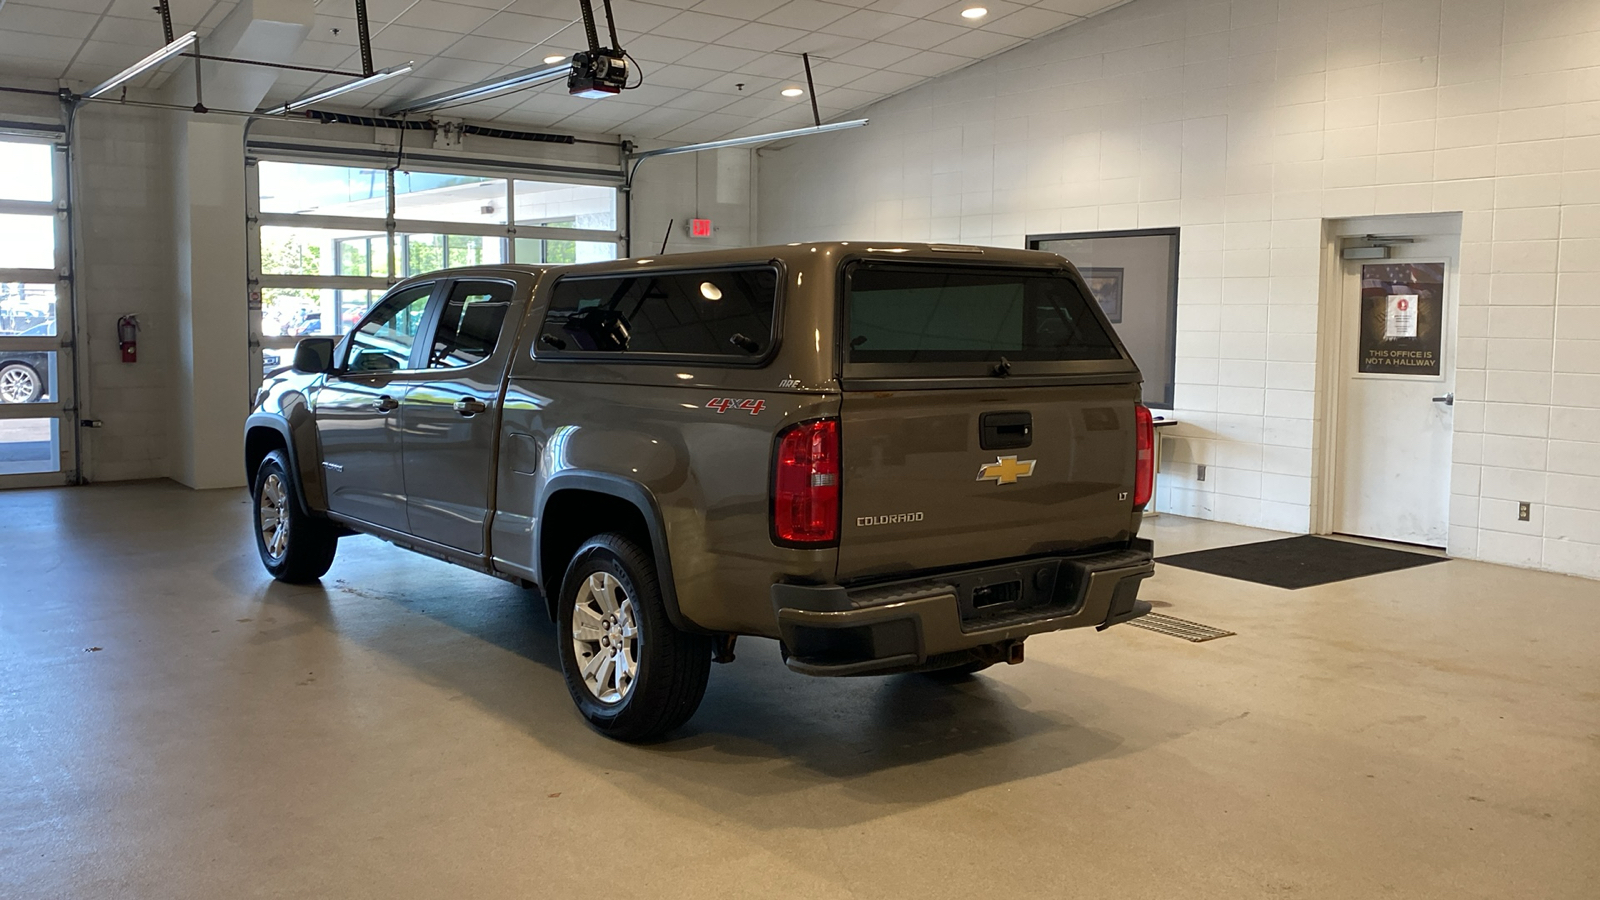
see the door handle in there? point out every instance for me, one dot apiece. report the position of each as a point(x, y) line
point(470, 406)
point(1448, 399)
point(385, 404)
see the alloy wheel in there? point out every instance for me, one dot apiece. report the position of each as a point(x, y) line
point(273, 516)
point(18, 385)
point(605, 636)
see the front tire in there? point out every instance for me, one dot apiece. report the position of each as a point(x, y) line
point(294, 546)
point(633, 675)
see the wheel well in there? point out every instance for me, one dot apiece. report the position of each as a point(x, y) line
point(571, 517)
point(258, 442)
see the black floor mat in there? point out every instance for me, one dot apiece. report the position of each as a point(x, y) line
point(1297, 562)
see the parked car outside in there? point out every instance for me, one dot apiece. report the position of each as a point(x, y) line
point(25, 374)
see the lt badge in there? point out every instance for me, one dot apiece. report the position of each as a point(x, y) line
point(1006, 470)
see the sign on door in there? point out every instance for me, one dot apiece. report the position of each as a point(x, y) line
point(1402, 319)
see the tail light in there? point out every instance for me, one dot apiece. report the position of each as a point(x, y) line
point(805, 484)
point(1144, 472)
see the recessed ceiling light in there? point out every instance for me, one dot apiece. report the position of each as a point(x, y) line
point(974, 12)
point(551, 60)
point(793, 92)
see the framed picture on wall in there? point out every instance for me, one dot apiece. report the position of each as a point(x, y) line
point(1106, 285)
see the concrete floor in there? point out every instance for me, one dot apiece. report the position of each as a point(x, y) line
point(402, 731)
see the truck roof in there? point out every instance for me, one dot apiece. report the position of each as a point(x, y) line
point(792, 254)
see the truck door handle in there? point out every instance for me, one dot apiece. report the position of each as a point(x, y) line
point(470, 406)
point(385, 404)
point(1448, 399)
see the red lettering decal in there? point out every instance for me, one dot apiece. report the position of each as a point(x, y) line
point(755, 406)
point(721, 404)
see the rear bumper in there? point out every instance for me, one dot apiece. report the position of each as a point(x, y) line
point(832, 630)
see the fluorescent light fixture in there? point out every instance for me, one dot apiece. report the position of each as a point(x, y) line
point(345, 88)
point(552, 60)
point(754, 139)
point(483, 90)
point(974, 12)
point(144, 65)
point(793, 92)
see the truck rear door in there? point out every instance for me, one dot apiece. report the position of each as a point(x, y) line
point(988, 414)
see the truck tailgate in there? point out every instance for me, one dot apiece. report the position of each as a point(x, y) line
point(927, 486)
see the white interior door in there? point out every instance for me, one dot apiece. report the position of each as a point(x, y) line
point(1395, 412)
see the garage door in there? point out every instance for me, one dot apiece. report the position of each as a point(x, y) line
point(35, 320)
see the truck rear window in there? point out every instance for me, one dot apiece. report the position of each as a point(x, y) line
point(921, 314)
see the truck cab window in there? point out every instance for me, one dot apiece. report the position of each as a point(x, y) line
point(469, 324)
point(383, 342)
point(712, 312)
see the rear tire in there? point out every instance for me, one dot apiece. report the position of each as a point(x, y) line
point(633, 675)
point(295, 547)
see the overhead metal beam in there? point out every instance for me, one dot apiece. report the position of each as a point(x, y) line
point(144, 65)
point(347, 87)
point(483, 90)
point(753, 139)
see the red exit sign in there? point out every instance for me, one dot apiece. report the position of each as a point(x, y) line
point(699, 228)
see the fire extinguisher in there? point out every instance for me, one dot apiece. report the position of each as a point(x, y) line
point(128, 337)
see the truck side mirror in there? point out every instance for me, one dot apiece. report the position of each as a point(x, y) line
point(314, 356)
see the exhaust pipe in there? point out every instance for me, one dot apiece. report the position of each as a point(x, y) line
point(1014, 653)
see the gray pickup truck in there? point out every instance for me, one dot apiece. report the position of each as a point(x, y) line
point(887, 457)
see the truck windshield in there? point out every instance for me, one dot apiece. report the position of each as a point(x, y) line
point(910, 314)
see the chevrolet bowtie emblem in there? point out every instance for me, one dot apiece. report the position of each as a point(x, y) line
point(1006, 470)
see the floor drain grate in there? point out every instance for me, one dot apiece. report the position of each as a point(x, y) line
point(1183, 628)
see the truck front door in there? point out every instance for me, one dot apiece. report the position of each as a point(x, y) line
point(357, 412)
point(452, 416)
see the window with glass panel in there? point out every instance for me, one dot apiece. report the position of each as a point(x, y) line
point(328, 250)
point(32, 361)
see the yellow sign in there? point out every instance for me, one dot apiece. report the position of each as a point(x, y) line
point(1006, 470)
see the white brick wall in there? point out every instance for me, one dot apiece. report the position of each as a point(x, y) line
point(1247, 123)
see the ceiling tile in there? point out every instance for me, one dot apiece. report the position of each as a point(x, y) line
point(807, 15)
point(915, 8)
point(927, 63)
point(654, 48)
point(923, 34)
point(486, 49)
point(1082, 8)
point(749, 10)
point(25, 18)
point(680, 76)
point(979, 44)
point(697, 26)
point(757, 36)
point(824, 46)
point(738, 85)
point(866, 24)
point(701, 101)
point(405, 39)
point(721, 57)
point(513, 27)
point(637, 17)
point(445, 16)
point(875, 55)
point(836, 74)
point(1031, 22)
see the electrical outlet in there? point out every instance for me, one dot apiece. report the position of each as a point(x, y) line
point(1523, 511)
point(1200, 472)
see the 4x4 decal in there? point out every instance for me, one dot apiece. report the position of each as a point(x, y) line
point(723, 404)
